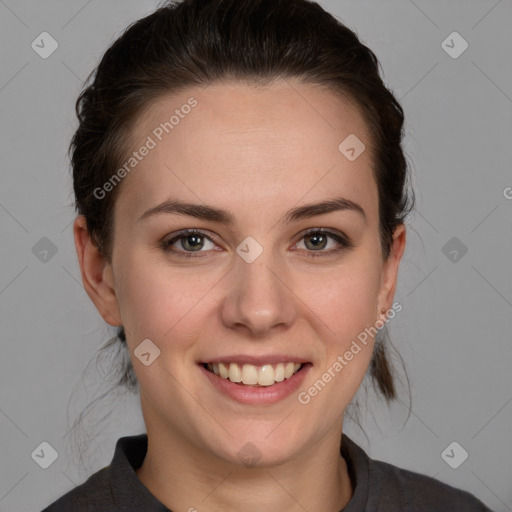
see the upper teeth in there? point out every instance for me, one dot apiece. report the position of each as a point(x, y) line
point(249, 374)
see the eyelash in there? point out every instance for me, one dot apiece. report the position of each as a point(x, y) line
point(343, 241)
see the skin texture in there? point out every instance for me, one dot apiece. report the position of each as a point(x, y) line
point(256, 152)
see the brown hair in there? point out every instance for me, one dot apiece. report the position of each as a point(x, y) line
point(198, 42)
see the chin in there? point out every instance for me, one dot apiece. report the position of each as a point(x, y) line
point(258, 449)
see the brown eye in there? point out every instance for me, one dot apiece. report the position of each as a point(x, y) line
point(317, 240)
point(187, 242)
point(190, 242)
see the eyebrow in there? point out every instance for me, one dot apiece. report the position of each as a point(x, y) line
point(219, 215)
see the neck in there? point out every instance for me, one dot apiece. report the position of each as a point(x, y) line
point(184, 477)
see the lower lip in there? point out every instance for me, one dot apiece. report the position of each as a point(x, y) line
point(261, 394)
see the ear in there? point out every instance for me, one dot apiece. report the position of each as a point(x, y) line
point(97, 276)
point(390, 270)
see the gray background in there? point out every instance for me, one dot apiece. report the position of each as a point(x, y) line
point(453, 332)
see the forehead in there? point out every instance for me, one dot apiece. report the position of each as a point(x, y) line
point(251, 147)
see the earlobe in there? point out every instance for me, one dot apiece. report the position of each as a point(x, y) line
point(97, 276)
point(390, 269)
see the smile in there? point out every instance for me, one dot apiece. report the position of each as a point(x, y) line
point(251, 375)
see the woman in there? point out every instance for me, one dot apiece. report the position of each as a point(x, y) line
point(240, 184)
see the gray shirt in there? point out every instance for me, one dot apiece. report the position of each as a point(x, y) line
point(378, 486)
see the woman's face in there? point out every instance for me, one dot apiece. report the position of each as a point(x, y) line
point(257, 289)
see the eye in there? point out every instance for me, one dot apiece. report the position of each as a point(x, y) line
point(316, 240)
point(190, 242)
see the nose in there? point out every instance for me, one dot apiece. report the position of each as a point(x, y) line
point(259, 299)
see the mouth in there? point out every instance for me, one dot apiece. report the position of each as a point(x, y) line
point(255, 376)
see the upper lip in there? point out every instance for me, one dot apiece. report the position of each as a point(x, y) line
point(255, 360)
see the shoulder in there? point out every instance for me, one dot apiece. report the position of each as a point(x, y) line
point(114, 487)
point(403, 489)
point(93, 495)
point(384, 487)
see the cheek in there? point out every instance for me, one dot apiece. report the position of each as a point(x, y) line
point(158, 302)
point(346, 307)
point(345, 298)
